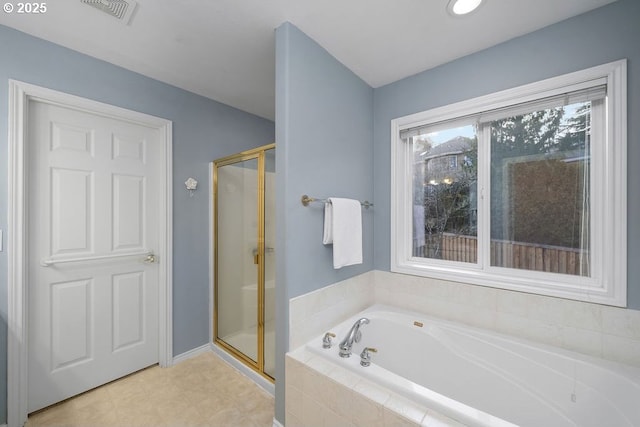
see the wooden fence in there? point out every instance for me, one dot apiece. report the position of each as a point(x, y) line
point(524, 256)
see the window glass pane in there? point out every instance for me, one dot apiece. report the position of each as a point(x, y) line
point(444, 194)
point(540, 190)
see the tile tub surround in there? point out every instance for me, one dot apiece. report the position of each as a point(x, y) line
point(317, 312)
point(606, 332)
point(320, 393)
point(597, 330)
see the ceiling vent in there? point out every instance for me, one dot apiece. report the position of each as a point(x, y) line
point(119, 9)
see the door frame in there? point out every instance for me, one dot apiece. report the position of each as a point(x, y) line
point(20, 94)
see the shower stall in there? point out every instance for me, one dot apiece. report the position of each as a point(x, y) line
point(244, 257)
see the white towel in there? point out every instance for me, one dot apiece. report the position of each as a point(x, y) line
point(343, 229)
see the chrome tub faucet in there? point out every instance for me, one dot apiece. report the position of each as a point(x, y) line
point(353, 335)
point(365, 356)
point(326, 341)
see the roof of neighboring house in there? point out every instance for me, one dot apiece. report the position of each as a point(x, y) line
point(457, 145)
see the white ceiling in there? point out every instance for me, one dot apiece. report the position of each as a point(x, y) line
point(224, 49)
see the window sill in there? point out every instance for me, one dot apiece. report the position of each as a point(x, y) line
point(572, 288)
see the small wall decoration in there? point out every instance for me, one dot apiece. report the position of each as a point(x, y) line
point(191, 184)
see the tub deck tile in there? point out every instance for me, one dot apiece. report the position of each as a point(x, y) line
point(405, 409)
point(372, 391)
point(434, 419)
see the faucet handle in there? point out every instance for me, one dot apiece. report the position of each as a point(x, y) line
point(365, 356)
point(326, 341)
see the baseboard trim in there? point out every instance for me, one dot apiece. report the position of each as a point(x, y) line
point(206, 348)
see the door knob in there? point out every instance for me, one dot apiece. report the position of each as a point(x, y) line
point(150, 259)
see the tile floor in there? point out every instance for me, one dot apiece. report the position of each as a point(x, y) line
point(202, 391)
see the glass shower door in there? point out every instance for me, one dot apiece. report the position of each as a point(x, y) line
point(237, 244)
point(244, 257)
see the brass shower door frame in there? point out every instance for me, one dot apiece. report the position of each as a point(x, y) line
point(259, 154)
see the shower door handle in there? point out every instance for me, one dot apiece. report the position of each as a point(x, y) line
point(266, 251)
point(256, 255)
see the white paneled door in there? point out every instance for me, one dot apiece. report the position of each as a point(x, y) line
point(93, 192)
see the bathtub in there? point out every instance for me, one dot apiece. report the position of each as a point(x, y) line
point(481, 378)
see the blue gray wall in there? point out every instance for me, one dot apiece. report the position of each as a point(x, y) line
point(332, 133)
point(603, 35)
point(203, 130)
point(319, 103)
point(324, 131)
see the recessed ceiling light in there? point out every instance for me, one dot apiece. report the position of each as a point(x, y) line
point(462, 7)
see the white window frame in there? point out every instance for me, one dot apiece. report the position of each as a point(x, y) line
point(607, 283)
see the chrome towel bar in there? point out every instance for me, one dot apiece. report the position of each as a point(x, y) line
point(305, 200)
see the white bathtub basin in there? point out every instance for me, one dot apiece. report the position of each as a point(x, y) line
point(482, 378)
